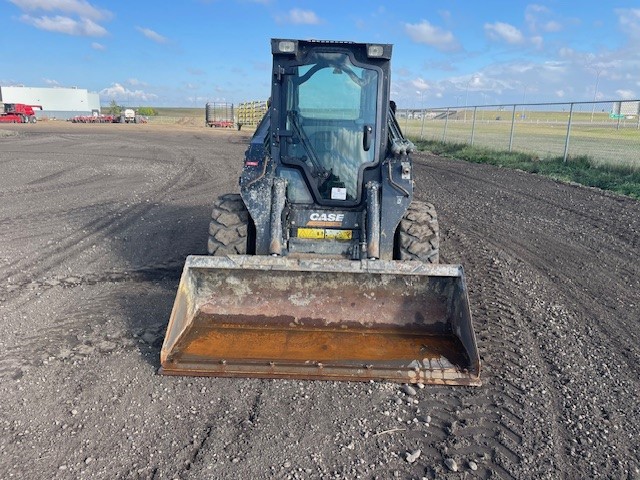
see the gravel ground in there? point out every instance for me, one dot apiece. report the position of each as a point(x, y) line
point(96, 222)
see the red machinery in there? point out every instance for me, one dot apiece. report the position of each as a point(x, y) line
point(18, 113)
point(94, 119)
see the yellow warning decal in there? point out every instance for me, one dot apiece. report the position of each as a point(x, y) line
point(314, 233)
point(338, 234)
point(328, 234)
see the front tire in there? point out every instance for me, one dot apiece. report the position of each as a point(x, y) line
point(231, 230)
point(418, 236)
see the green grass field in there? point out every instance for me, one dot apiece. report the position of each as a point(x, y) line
point(620, 179)
point(605, 141)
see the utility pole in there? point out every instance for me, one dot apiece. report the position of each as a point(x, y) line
point(595, 90)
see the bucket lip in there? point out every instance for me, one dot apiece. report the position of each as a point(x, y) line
point(264, 262)
point(312, 372)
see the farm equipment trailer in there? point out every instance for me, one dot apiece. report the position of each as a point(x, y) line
point(219, 115)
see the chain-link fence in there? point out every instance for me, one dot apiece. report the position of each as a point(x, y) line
point(607, 132)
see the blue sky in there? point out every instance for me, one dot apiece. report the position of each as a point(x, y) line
point(446, 53)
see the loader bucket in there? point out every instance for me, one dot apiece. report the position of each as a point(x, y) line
point(276, 317)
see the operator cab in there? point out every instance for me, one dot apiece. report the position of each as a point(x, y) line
point(332, 95)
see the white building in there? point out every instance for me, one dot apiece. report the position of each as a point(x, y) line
point(61, 103)
point(628, 108)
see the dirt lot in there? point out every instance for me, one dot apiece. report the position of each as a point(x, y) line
point(96, 221)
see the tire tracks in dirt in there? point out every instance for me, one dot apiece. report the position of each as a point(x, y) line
point(563, 211)
point(558, 399)
point(31, 277)
point(550, 309)
point(101, 227)
point(555, 251)
point(491, 419)
point(84, 330)
point(225, 441)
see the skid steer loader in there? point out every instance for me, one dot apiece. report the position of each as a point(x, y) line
point(324, 266)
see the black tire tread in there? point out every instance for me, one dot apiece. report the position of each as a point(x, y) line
point(228, 228)
point(418, 235)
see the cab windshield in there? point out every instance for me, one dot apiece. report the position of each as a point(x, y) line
point(331, 112)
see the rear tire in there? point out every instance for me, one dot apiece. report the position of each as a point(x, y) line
point(231, 230)
point(417, 236)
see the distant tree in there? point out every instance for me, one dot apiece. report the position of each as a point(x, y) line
point(114, 108)
point(147, 111)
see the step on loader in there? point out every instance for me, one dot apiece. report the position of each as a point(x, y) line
point(324, 266)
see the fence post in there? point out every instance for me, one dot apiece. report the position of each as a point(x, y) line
point(422, 127)
point(446, 121)
point(566, 141)
point(473, 124)
point(513, 123)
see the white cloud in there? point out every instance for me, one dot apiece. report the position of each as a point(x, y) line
point(564, 74)
point(551, 26)
point(74, 17)
point(531, 14)
point(629, 20)
point(504, 31)
point(84, 27)
point(98, 46)
point(152, 35)
point(537, 41)
point(119, 92)
point(476, 82)
point(425, 32)
point(566, 52)
point(53, 83)
point(626, 94)
point(536, 21)
point(534, 7)
point(420, 84)
point(134, 82)
point(298, 16)
point(81, 8)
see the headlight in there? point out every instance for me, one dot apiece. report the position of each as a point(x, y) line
point(375, 50)
point(287, 46)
